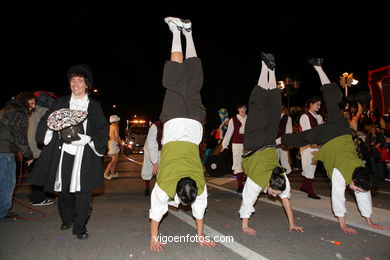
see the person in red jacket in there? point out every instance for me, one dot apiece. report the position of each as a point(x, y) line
point(235, 135)
point(308, 120)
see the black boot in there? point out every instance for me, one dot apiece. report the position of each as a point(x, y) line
point(269, 60)
point(316, 61)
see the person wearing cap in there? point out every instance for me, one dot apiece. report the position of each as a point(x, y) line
point(180, 178)
point(13, 139)
point(235, 134)
point(113, 148)
point(73, 168)
point(261, 162)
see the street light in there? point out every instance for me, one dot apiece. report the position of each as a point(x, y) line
point(281, 85)
point(346, 80)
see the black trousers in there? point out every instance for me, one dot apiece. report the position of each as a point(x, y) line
point(336, 125)
point(262, 123)
point(183, 82)
point(73, 207)
point(38, 193)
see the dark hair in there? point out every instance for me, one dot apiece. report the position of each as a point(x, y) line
point(81, 70)
point(240, 105)
point(278, 180)
point(187, 190)
point(363, 178)
point(24, 97)
point(312, 101)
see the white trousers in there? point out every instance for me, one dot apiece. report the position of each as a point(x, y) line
point(237, 151)
point(284, 159)
point(249, 197)
point(308, 168)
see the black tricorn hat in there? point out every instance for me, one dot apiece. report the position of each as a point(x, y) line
point(82, 70)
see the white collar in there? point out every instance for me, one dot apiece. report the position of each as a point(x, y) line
point(79, 103)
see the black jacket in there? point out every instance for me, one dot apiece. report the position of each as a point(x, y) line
point(13, 129)
point(44, 172)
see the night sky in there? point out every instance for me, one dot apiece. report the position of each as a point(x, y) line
point(126, 47)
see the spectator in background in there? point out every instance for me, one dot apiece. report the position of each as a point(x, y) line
point(235, 135)
point(13, 139)
point(113, 148)
point(152, 152)
point(353, 120)
point(309, 120)
point(43, 102)
point(285, 127)
point(375, 139)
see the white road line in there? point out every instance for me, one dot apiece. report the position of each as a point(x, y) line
point(232, 245)
point(134, 161)
point(383, 192)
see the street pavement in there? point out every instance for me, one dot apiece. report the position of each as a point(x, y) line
point(119, 227)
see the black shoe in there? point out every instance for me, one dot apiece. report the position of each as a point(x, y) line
point(239, 189)
point(147, 193)
point(82, 236)
point(66, 226)
point(314, 196)
point(316, 61)
point(269, 60)
point(9, 216)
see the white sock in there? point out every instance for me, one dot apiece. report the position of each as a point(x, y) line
point(176, 40)
point(263, 79)
point(272, 79)
point(190, 47)
point(324, 79)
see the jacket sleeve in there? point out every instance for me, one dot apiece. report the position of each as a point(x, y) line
point(42, 125)
point(20, 134)
point(152, 144)
point(100, 131)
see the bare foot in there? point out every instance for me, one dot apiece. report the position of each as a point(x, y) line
point(375, 226)
point(249, 231)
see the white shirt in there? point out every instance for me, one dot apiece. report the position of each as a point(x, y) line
point(182, 129)
point(363, 199)
point(304, 121)
point(151, 144)
point(251, 192)
point(178, 129)
point(289, 129)
point(230, 130)
point(160, 200)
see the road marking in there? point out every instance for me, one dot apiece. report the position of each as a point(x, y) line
point(384, 192)
point(327, 215)
point(132, 160)
point(233, 246)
